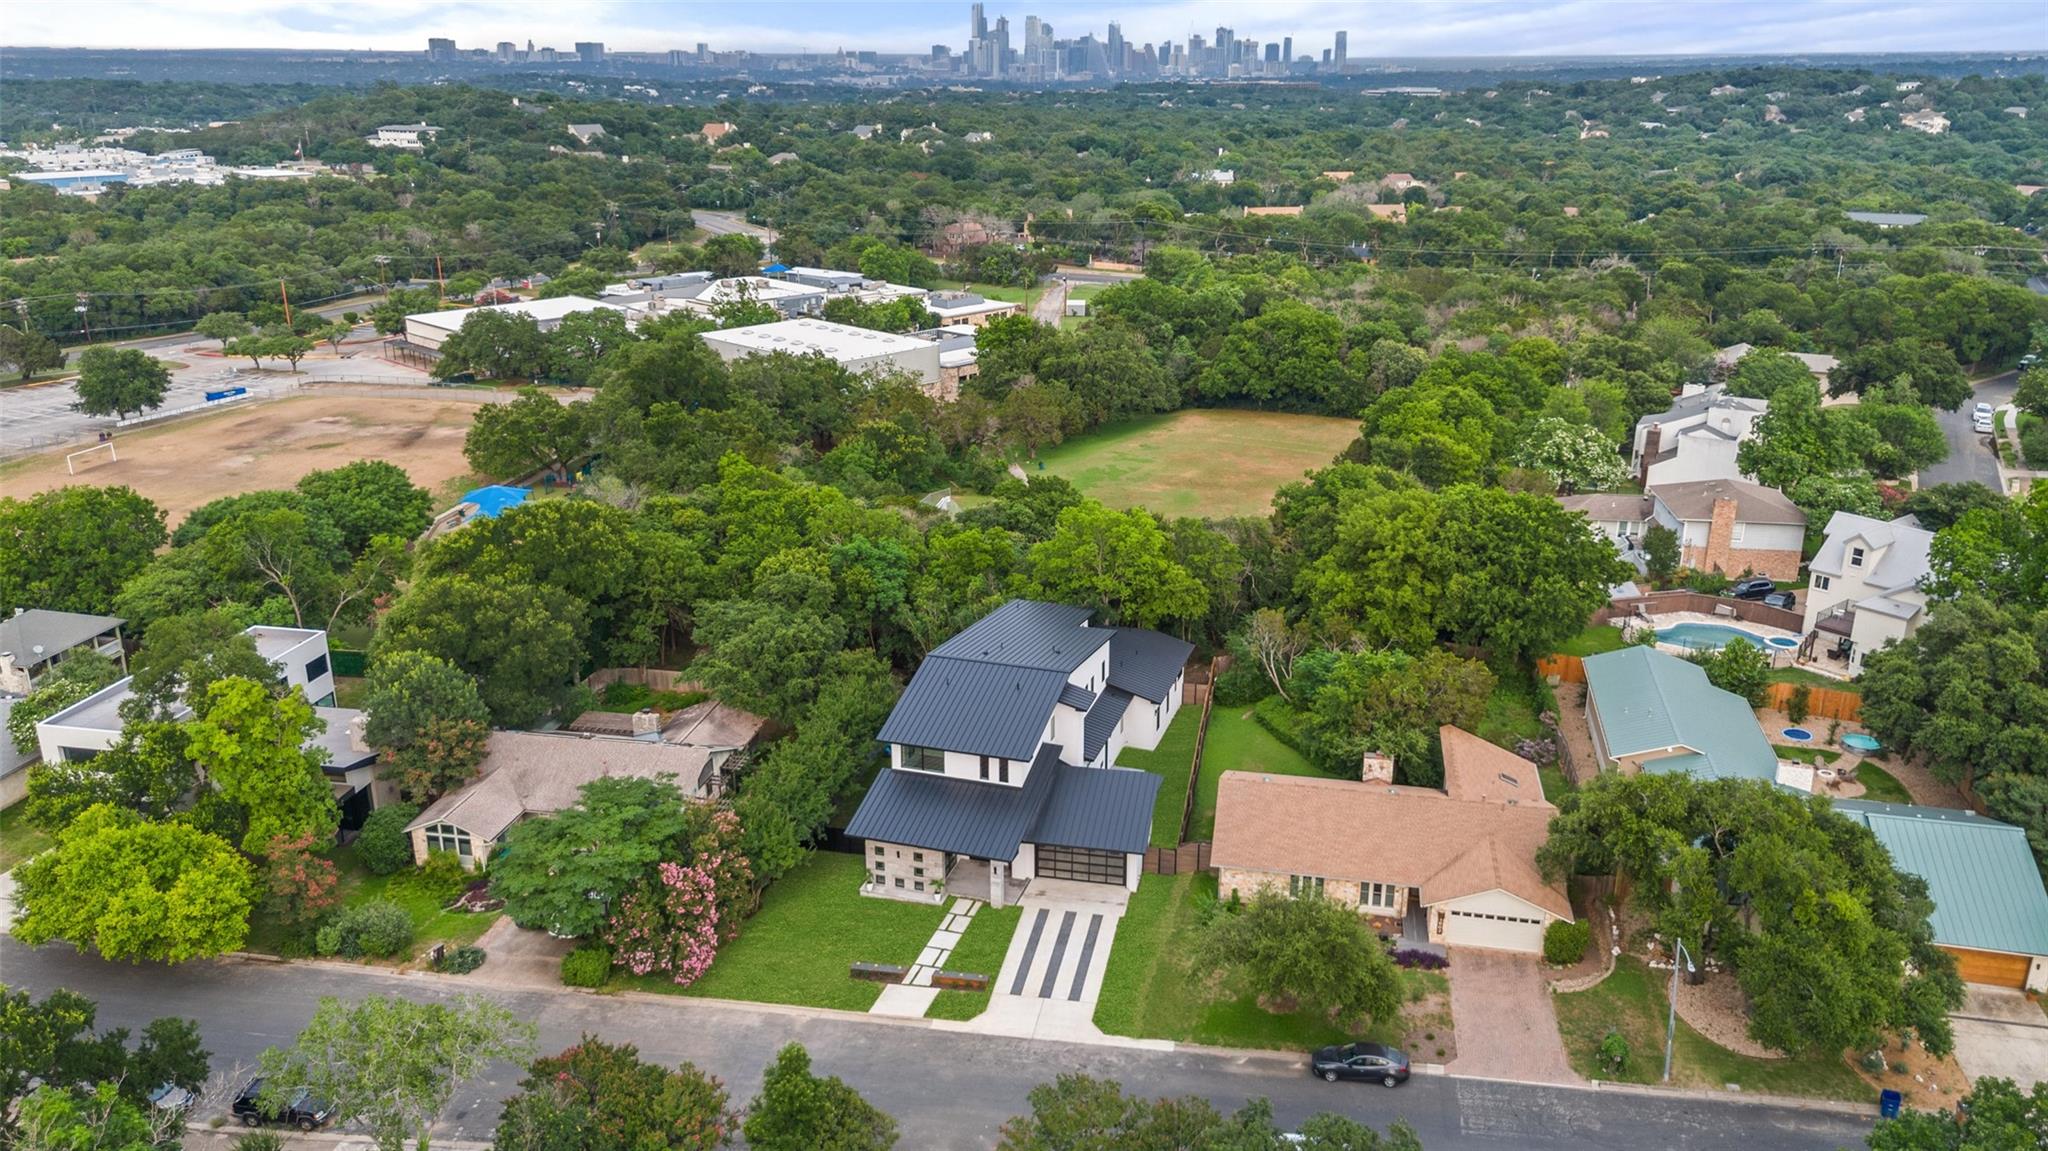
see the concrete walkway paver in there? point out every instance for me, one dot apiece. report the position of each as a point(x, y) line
point(911, 997)
point(1506, 1025)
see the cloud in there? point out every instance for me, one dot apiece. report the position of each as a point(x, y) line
point(1377, 29)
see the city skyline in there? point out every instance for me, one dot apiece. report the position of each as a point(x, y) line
point(1458, 28)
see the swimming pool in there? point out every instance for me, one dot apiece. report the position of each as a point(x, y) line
point(1709, 636)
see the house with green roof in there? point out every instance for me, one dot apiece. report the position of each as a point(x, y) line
point(1990, 908)
point(1652, 711)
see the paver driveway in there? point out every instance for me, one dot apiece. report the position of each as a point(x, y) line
point(1507, 1029)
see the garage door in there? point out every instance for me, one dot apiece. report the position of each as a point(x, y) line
point(1503, 932)
point(1993, 967)
point(1080, 863)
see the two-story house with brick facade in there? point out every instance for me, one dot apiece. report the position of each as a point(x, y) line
point(1732, 526)
point(1002, 754)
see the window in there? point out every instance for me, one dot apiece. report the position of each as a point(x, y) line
point(917, 871)
point(919, 885)
point(1820, 582)
point(1300, 885)
point(1155, 717)
point(984, 767)
point(899, 881)
point(917, 857)
point(878, 851)
point(1003, 771)
point(924, 759)
point(1378, 896)
point(448, 837)
point(316, 667)
point(1735, 533)
point(1855, 557)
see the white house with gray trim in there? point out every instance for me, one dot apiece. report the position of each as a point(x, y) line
point(1002, 754)
point(1864, 586)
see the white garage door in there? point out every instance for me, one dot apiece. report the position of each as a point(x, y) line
point(1502, 932)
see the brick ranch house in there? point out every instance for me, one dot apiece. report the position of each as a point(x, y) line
point(1455, 867)
point(1002, 753)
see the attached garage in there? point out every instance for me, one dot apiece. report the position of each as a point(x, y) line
point(1999, 969)
point(1491, 919)
point(1086, 865)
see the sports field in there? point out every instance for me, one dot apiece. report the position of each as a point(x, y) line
point(1199, 462)
point(185, 463)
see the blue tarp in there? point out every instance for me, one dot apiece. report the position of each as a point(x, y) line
point(493, 500)
point(775, 269)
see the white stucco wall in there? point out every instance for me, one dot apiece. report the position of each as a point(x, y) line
point(960, 765)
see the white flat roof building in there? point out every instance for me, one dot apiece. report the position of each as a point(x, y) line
point(856, 349)
point(431, 329)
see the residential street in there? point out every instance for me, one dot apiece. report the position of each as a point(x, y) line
point(947, 1089)
point(1968, 458)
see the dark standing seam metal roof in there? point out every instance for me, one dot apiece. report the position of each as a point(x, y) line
point(1146, 662)
point(964, 816)
point(1028, 634)
point(1077, 697)
point(976, 708)
point(1101, 721)
point(1104, 809)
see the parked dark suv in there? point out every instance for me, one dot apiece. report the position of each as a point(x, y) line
point(301, 1110)
point(1374, 1061)
point(1784, 599)
point(1755, 587)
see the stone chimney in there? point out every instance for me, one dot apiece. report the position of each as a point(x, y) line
point(358, 732)
point(1377, 768)
point(646, 721)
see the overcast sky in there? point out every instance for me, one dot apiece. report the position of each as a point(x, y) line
point(1395, 28)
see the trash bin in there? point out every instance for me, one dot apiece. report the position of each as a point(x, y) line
point(1888, 1104)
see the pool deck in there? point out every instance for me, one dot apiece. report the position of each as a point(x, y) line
point(1780, 656)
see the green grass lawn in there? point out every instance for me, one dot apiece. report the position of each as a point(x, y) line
point(1199, 462)
point(981, 951)
point(1171, 761)
point(1632, 1002)
point(430, 922)
point(18, 839)
point(1812, 756)
point(1811, 679)
point(813, 924)
point(1592, 641)
point(1147, 993)
point(350, 691)
point(1512, 711)
point(1555, 782)
point(1238, 743)
point(1881, 786)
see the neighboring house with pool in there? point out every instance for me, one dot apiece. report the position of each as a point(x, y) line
point(1863, 589)
point(1653, 711)
point(1990, 910)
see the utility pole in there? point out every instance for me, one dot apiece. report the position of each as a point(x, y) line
point(439, 282)
point(286, 296)
point(1679, 954)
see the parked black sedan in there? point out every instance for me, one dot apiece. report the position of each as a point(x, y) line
point(1374, 1061)
point(301, 1110)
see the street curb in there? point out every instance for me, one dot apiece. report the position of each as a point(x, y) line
point(231, 1130)
point(1839, 1107)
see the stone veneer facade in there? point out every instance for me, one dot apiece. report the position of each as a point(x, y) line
point(899, 872)
point(1244, 884)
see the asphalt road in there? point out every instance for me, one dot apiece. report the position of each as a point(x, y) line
point(946, 1089)
point(1969, 460)
point(722, 223)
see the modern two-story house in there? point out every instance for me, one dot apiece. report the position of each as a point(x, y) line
point(1002, 757)
point(1864, 588)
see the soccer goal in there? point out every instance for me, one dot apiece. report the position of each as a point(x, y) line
point(71, 461)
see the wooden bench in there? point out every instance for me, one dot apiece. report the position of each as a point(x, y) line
point(878, 972)
point(959, 981)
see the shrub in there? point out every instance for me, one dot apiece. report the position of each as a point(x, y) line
point(461, 961)
point(260, 1141)
point(377, 929)
point(1242, 684)
point(1613, 1053)
point(1707, 583)
point(1797, 702)
point(1541, 752)
point(383, 845)
point(587, 966)
point(442, 876)
point(1421, 960)
point(1565, 943)
point(2034, 443)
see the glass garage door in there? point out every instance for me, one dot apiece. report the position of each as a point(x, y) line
point(1080, 863)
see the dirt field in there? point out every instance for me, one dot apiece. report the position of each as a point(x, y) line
point(1199, 462)
point(186, 463)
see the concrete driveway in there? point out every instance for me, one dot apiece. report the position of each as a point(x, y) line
point(1968, 458)
point(1507, 1028)
point(2000, 1032)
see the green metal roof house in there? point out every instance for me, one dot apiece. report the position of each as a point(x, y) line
point(1990, 909)
point(1652, 711)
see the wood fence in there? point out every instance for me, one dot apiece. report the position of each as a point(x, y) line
point(1567, 668)
point(1821, 702)
point(1183, 860)
point(655, 678)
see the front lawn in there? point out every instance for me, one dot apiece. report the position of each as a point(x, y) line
point(18, 838)
point(1171, 761)
point(1237, 742)
point(1598, 638)
point(981, 951)
point(1632, 1002)
point(1147, 992)
point(431, 922)
point(812, 926)
point(1881, 786)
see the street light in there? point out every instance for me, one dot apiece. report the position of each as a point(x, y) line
point(1671, 1024)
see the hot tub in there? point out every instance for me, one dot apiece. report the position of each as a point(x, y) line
point(1857, 741)
point(1796, 734)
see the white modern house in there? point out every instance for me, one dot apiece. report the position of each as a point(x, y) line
point(1696, 438)
point(1002, 755)
point(855, 349)
point(1864, 588)
point(301, 654)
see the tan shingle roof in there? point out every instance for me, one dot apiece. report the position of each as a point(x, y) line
point(1477, 771)
point(1754, 503)
point(1448, 845)
point(538, 772)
